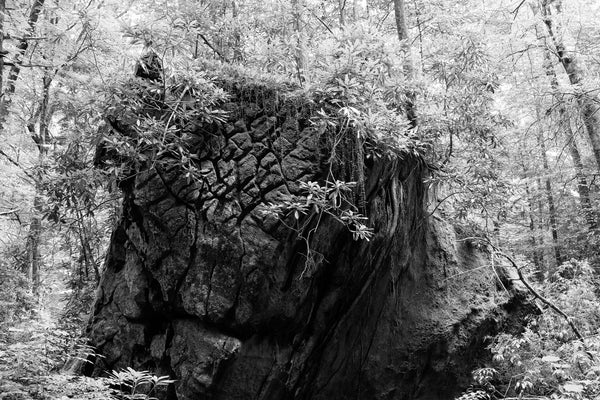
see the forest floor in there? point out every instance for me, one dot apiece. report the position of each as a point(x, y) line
point(35, 350)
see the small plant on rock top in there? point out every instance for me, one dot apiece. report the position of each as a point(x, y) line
point(137, 385)
point(547, 360)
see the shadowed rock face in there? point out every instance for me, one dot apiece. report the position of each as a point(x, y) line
point(202, 285)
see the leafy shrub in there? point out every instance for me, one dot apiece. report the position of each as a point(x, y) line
point(16, 300)
point(145, 133)
point(137, 385)
point(34, 348)
point(361, 89)
point(332, 199)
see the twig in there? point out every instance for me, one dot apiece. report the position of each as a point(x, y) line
point(516, 10)
point(441, 201)
point(321, 21)
point(13, 161)
point(212, 48)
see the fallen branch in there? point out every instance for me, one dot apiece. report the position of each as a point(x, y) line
point(542, 298)
point(535, 292)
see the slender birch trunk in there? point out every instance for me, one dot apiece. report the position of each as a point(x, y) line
point(565, 127)
point(403, 36)
point(300, 54)
point(553, 218)
point(587, 103)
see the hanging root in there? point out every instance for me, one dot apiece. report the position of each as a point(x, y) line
point(395, 206)
point(360, 173)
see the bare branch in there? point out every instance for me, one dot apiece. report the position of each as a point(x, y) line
point(517, 8)
point(320, 20)
point(205, 40)
point(12, 37)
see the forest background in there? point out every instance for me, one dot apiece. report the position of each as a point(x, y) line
point(502, 96)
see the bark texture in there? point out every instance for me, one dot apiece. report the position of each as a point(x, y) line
point(564, 123)
point(15, 70)
point(200, 284)
point(402, 29)
point(587, 101)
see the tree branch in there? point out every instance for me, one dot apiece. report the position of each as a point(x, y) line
point(14, 162)
point(212, 48)
point(517, 8)
point(320, 20)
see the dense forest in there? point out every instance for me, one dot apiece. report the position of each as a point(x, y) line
point(486, 112)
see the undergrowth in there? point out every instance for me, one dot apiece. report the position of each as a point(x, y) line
point(547, 360)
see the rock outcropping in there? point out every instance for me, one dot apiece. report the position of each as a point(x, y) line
point(201, 284)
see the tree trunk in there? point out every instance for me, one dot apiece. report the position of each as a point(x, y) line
point(538, 257)
point(402, 29)
point(342, 15)
point(86, 252)
point(238, 54)
point(541, 225)
point(15, 70)
point(583, 188)
point(587, 103)
point(41, 140)
point(33, 242)
point(550, 199)
point(300, 56)
point(2, 11)
point(536, 230)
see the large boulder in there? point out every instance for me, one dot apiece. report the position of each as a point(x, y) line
point(234, 303)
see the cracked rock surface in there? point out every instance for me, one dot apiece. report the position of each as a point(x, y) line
point(202, 285)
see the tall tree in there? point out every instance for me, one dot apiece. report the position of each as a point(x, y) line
point(2, 51)
point(342, 11)
point(300, 51)
point(560, 112)
point(564, 124)
point(16, 64)
point(538, 256)
point(39, 130)
point(403, 36)
point(549, 197)
point(588, 102)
